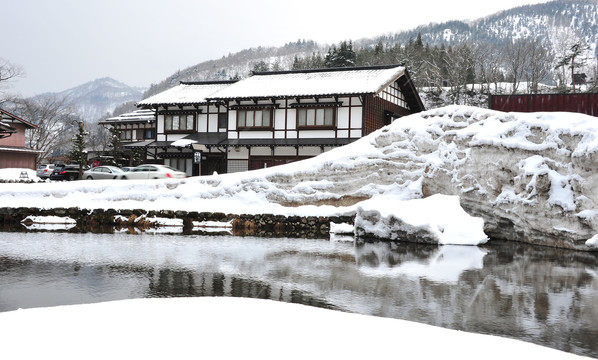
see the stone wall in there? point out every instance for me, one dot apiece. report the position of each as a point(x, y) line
point(109, 220)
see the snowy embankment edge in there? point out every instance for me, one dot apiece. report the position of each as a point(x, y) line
point(123, 329)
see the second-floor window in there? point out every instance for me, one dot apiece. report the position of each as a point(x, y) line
point(315, 117)
point(254, 119)
point(182, 123)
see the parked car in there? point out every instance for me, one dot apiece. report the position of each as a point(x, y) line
point(153, 171)
point(44, 171)
point(103, 172)
point(66, 172)
point(127, 168)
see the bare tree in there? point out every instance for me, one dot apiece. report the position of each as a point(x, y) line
point(8, 72)
point(56, 120)
point(539, 64)
point(460, 70)
point(516, 61)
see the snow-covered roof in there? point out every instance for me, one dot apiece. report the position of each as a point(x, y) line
point(185, 93)
point(141, 115)
point(336, 81)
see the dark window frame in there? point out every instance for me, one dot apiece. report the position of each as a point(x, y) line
point(169, 129)
point(246, 127)
point(315, 126)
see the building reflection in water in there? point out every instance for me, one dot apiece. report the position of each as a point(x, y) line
point(542, 295)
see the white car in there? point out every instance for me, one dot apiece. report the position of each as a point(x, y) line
point(153, 171)
point(103, 172)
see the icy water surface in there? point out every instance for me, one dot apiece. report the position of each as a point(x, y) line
point(541, 295)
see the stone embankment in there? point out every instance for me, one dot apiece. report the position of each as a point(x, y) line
point(110, 220)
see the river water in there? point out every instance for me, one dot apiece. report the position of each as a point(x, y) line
point(541, 295)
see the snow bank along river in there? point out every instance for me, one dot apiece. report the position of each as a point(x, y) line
point(531, 177)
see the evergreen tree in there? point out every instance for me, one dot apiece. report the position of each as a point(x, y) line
point(78, 154)
point(342, 56)
point(117, 154)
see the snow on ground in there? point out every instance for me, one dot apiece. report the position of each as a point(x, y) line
point(534, 171)
point(17, 174)
point(235, 328)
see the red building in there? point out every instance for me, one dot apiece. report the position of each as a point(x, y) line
point(13, 153)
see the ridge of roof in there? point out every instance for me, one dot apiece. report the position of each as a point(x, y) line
point(208, 82)
point(334, 69)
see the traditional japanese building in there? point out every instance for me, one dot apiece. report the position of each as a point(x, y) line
point(190, 131)
point(274, 118)
point(13, 153)
point(280, 117)
point(137, 129)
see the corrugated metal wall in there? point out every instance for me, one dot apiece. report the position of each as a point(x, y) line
point(586, 103)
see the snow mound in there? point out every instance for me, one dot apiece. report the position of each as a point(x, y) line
point(438, 219)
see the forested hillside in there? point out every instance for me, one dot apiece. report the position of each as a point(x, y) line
point(531, 48)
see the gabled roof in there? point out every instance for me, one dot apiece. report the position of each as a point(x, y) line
point(186, 93)
point(11, 118)
point(316, 82)
point(137, 116)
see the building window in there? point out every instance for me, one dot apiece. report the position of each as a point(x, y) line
point(318, 117)
point(180, 123)
point(222, 120)
point(254, 119)
point(126, 134)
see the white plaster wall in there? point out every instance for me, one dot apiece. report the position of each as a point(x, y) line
point(306, 134)
point(241, 154)
point(160, 128)
point(202, 123)
point(261, 151)
point(255, 135)
point(279, 118)
point(232, 120)
point(292, 119)
point(356, 117)
point(355, 133)
point(343, 133)
point(342, 119)
point(309, 151)
point(284, 151)
point(213, 123)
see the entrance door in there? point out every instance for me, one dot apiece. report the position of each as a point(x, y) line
point(213, 162)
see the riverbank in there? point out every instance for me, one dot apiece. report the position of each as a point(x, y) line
point(531, 177)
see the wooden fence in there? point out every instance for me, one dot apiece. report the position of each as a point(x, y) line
point(585, 103)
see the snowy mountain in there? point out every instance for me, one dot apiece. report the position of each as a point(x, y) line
point(540, 21)
point(96, 98)
point(550, 21)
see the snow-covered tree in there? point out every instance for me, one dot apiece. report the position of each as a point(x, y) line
point(342, 56)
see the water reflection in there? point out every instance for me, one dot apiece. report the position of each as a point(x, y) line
point(542, 295)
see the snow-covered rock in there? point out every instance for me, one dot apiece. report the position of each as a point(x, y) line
point(438, 219)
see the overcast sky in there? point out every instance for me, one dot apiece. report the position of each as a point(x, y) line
point(65, 43)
